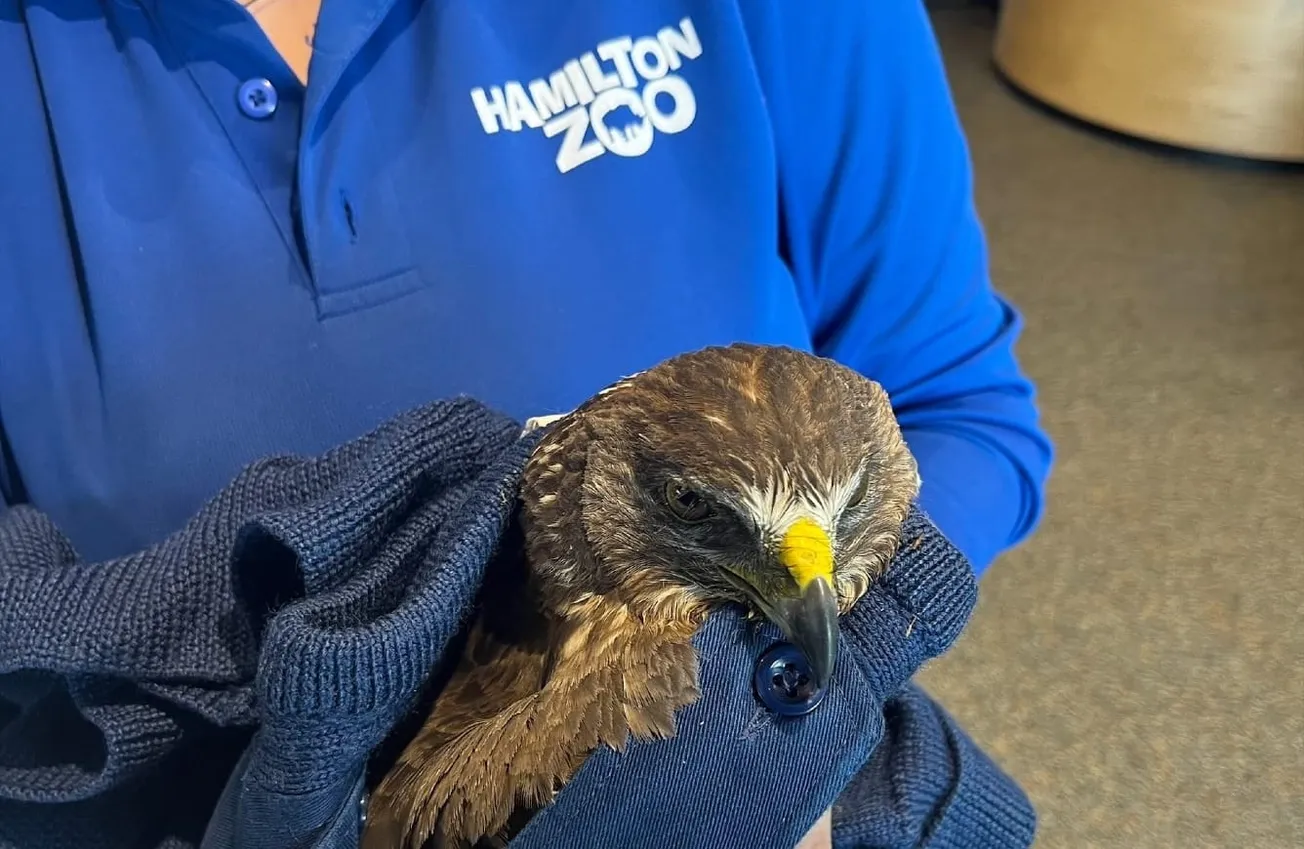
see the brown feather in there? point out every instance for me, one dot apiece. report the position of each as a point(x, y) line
point(502, 736)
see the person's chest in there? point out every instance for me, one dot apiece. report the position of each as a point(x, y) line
point(206, 263)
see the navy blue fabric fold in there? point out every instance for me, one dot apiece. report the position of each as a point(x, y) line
point(226, 687)
point(928, 785)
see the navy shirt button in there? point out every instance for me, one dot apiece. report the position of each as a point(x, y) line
point(257, 98)
point(784, 682)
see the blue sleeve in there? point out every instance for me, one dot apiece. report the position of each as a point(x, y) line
point(929, 786)
point(883, 235)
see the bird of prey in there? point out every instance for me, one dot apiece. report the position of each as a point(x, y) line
point(753, 475)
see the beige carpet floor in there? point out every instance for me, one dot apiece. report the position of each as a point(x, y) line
point(1139, 664)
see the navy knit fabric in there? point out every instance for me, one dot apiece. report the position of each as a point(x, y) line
point(226, 687)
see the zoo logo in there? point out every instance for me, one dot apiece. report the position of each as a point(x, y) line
point(584, 93)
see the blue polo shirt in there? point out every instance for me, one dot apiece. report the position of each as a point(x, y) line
point(204, 262)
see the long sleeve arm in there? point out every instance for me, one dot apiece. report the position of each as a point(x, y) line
point(882, 233)
point(929, 786)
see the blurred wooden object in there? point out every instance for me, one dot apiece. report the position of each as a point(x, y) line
point(1223, 76)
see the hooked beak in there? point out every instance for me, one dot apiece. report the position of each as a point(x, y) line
point(807, 609)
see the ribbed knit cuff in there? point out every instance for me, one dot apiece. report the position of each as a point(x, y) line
point(385, 597)
point(318, 662)
point(929, 786)
point(986, 809)
point(915, 612)
point(134, 736)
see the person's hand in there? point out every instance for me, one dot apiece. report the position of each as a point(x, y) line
point(820, 835)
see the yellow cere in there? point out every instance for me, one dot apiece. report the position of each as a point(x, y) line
point(807, 552)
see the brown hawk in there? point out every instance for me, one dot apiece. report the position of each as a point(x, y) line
point(747, 474)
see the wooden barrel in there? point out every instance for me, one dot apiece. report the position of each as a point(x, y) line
point(1222, 76)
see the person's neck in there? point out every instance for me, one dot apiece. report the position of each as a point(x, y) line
point(289, 25)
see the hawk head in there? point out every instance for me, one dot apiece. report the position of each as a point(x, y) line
point(750, 474)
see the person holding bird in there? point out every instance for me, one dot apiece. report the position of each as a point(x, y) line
point(235, 231)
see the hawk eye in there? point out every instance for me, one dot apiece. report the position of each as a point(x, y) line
point(862, 489)
point(687, 505)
